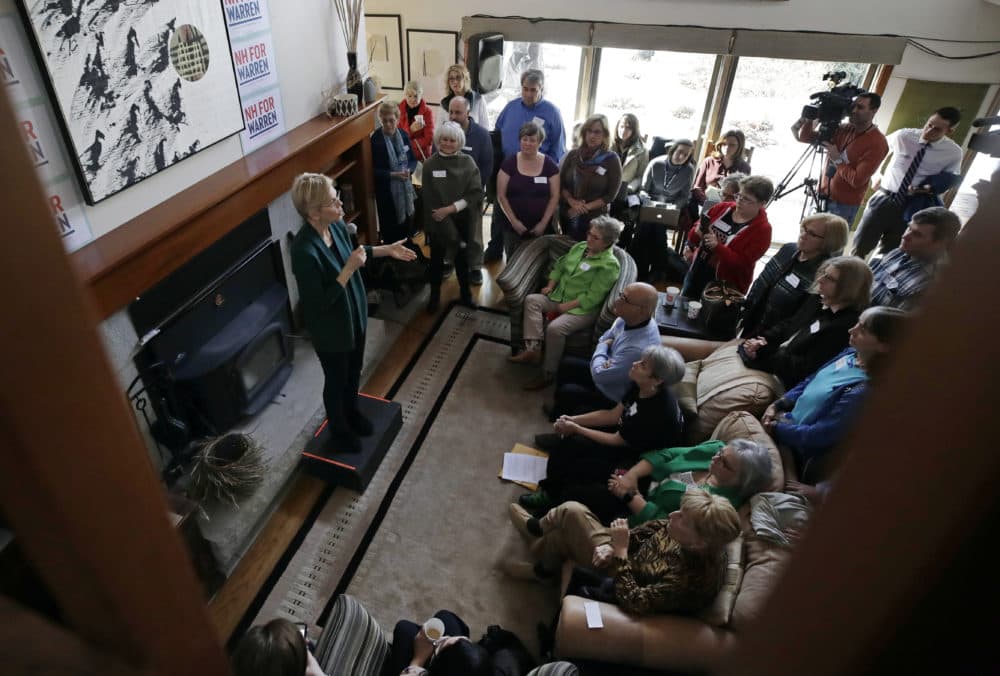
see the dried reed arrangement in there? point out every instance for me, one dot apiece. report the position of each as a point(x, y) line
point(227, 468)
point(350, 12)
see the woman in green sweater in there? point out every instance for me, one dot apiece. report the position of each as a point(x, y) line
point(736, 471)
point(577, 288)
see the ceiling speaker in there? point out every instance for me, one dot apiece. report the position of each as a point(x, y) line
point(486, 61)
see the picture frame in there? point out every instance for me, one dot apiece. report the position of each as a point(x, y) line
point(384, 40)
point(136, 87)
point(429, 53)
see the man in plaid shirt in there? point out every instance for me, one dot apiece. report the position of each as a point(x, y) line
point(901, 276)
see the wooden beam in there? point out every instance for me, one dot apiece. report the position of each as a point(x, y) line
point(76, 482)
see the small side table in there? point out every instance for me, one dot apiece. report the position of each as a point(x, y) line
point(674, 321)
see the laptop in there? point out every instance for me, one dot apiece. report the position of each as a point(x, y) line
point(659, 212)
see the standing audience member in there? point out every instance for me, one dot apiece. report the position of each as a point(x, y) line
point(589, 178)
point(416, 119)
point(903, 274)
point(631, 151)
point(730, 239)
point(479, 147)
point(784, 283)
point(672, 565)
point(853, 155)
point(925, 162)
point(393, 162)
point(531, 107)
point(602, 382)
point(333, 301)
point(527, 191)
point(459, 83)
point(452, 199)
point(667, 180)
point(577, 287)
point(728, 158)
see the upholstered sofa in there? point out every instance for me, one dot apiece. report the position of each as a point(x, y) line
point(528, 271)
point(680, 642)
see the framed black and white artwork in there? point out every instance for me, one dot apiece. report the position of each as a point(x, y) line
point(428, 55)
point(138, 86)
point(384, 38)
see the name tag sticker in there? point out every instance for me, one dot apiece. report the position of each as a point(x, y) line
point(467, 149)
point(633, 200)
point(406, 149)
point(539, 121)
point(840, 364)
point(793, 280)
point(542, 179)
point(593, 613)
point(440, 173)
point(601, 171)
point(814, 327)
point(584, 266)
point(891, 283)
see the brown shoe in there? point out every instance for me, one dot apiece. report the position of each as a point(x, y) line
point(526, 570)
point(539, 383)
point(521, 519)
point(526, 357)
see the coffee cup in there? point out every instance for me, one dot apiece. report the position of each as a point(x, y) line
point(434, 629)
point(694, 307)
point(671, 295)
point(418, 118)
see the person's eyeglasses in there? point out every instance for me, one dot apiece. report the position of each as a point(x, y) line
point(722, 460)
point(455, 78)
point(745, 198)
point(812, 233)
point(335, 200)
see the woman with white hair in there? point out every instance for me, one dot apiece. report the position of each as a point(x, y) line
point(452, 198)
point(417, 120)
point(587, 448)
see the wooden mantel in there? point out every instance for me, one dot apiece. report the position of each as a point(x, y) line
point(133, 257)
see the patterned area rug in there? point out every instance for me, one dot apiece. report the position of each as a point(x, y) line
point(430, 528)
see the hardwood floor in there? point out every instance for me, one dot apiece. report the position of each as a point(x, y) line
point(231, 602)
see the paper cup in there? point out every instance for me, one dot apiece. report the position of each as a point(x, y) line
point(434, 629)
point(694, 307)
point(671, 295)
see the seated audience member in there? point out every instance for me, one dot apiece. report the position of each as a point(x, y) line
point(667, 181)
point(601, 382)
point(728, 158)
point(729, 188)
point(672, 565)
point(589, 178)
point(902, 275)
point(527, 191)
point(730, 239)
point(587, 448)
point(783, 285)
point(458, 82)
point(480, 148)
point(793, 349)
point(413, 653)
point(814, 416)
point(577, 287)
point(452, 195)
point(417, 120)
point(275, 649)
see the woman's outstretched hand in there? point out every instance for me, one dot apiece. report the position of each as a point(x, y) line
point(400, 252)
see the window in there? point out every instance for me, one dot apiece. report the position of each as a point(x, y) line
point(665, 90)
point(561, 65)
point(766, 99)
point(966, 200)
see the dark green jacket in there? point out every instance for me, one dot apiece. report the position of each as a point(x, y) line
point(335, 316)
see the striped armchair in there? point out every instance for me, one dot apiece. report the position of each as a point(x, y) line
point(528, 271)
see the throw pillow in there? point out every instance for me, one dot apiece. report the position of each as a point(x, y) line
point(351, 642)
point(686, 391)
point(719, 613)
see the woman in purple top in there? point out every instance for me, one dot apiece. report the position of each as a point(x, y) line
point(527, 190)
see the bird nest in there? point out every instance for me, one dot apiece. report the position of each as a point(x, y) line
point(227, 468)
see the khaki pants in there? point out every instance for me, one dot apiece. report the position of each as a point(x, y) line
point(536, 306)
point(570, 531)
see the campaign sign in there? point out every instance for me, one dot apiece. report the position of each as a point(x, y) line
point(42, 141)
point(70, 220)
point(264, 119)
point(246, 16)
point(254, 63)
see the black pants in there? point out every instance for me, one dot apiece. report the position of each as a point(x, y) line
point(460, 257)
point(406, 631)
point(342, 376)
point(575, 389)
point(882, 220)
point(649, 249)
point(578, 460)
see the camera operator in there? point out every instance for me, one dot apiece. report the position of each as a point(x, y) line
point(853, 155)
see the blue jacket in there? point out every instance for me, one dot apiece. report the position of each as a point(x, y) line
point(480, 147)
point(380, 161)
point(939, 184)
point(516, 114)
point(832, 423)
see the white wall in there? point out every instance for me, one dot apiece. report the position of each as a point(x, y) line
point(947, 20)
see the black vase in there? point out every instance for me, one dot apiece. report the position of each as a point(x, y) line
point(354, 84)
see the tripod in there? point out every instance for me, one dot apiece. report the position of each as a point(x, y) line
point(815, 155)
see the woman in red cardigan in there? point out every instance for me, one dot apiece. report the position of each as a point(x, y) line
point(730, 239)
point(417, 120)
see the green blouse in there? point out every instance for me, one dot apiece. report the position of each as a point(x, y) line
point(587, 279)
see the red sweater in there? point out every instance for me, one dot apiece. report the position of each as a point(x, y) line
point(735, 259)
point(421, 142)
point(864, 155)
